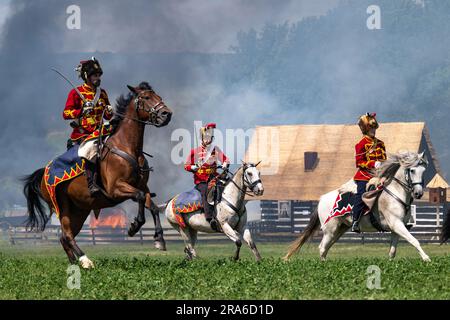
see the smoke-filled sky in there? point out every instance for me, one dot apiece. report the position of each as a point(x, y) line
point(35, 37)
point(175, 46)
point(156, 25)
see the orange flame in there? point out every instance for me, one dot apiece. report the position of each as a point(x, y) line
point(114, 220)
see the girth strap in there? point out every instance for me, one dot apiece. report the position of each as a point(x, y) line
point(397, 198)
point(230, 205)
point(131, 160)
point(375, 223)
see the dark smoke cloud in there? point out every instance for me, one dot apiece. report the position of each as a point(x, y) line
point(135, 41)
point(169, 44)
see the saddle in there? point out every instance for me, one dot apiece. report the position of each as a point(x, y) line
point(215, 189)
point(344, 202)
point(191, 201)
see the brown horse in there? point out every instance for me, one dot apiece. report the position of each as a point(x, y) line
point(124, 174)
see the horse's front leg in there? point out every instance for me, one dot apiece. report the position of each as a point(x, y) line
point(394, 243)
point(399, 228)
point(234, 236)
point(241, 229)
point(248, 238)
point(160, 243)
point(123, 191)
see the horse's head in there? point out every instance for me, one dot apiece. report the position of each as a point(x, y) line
point(252, 179)
point(414, 175)
point(149, 106)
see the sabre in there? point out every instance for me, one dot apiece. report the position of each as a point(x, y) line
point(72, 85)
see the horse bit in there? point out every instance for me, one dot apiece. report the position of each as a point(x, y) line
point(153, 111)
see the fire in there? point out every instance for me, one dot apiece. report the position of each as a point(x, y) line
point(110, 218)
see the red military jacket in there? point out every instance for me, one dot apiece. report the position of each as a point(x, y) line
point(198, 155)
point(88, 122)
point(367, 153)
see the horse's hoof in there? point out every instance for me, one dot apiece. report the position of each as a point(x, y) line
point(188, 254)
point(160, 245)
point(427, 259)
point(86, 263)
point(132, 230)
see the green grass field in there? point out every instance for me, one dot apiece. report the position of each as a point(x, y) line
point(141, 272)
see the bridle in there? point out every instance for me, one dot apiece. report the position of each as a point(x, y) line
point(140, 104)
point(246, 182)
point(408, 186)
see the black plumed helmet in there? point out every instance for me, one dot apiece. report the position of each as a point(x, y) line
point(89, 67)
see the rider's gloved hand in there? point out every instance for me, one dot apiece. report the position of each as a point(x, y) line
point(194, 167)
point(224, 166)
point(109, 109)
point(88, 106)
point(377, 164)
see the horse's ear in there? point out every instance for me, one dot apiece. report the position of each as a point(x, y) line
point(131, 88)
point(258, 163)
point(421, 154)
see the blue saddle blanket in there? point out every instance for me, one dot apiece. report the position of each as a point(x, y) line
point(65, 167)
point(188, 201)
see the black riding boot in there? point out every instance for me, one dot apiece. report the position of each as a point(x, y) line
point(91, 176)
point(356, 215)
point(207, 208)
point(358, 206)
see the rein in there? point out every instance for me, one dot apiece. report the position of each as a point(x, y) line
point(408, 187)
point(246, 184)
point(129, 158)
point(153, 111)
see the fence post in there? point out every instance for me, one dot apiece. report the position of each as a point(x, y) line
point(362, 238)
point(11, 235)
point(93, 236)
point(141, 236)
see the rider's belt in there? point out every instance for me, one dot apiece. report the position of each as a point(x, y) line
point(207, 171)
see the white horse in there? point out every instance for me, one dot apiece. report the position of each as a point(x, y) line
point(404, 181)
point(231, 213)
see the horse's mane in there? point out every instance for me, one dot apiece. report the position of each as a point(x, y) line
point(122, 103)
point(404, 159)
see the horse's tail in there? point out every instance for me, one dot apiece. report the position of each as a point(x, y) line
point(312, 226)
point(37, 218)
point(445, 232)
point(162, 206)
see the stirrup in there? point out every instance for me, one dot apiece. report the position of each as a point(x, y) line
point(355, 227)
point(214, 225)
point(94, 189)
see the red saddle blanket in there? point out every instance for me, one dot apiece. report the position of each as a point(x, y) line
point(344, 203)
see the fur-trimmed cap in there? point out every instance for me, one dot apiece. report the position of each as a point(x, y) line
point(87, 68)
point(368, 121)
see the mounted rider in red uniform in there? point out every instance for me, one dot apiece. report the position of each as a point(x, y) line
point(86, 108)
point(370, 151)
point(202, 161)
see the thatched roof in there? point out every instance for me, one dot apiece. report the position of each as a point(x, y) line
point(437, 182)
point(282, 148)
